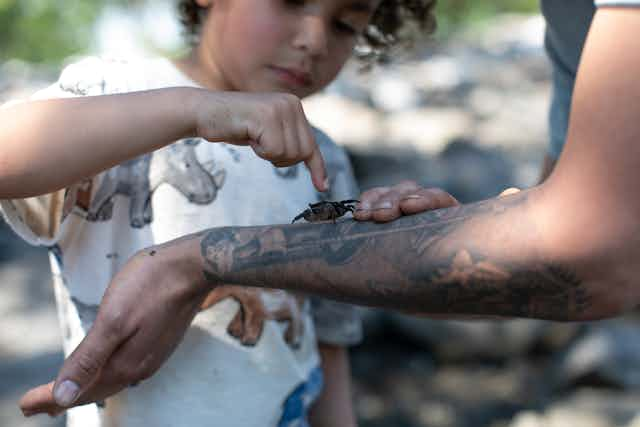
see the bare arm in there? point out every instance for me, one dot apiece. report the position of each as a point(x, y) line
point(489, 258)
point(48, 145)
point(334, 407)
point(566, 250)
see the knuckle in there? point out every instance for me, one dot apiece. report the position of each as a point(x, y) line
point(112, 323)
point(278, 152)
point(291, 99)
point(123, 375)
point(306, 151)
point(87, 365)
point(408, 184)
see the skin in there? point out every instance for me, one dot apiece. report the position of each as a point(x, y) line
point(330, 409)
point(272, 123)
point(296, 48)
point(565, 250)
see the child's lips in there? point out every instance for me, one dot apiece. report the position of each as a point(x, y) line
point(293, 77)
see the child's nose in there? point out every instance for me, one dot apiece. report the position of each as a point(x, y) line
point(312, 36)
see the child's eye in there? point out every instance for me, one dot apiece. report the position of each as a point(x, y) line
point(345, 28)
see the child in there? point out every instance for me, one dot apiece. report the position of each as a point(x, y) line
point(126, 165)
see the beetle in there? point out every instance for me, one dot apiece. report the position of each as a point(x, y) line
point(327, 211)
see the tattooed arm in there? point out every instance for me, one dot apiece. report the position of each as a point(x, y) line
point(565, 250)
point(490, 258)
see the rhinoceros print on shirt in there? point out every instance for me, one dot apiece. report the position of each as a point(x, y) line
point(176, 165)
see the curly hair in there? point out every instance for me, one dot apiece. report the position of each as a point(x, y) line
point(394, 23)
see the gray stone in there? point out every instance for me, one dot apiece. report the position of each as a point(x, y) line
point(609, 353)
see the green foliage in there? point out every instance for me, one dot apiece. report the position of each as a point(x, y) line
point(453, 14)
point(48, 31)
point(43, 31)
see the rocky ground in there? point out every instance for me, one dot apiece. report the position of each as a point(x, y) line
point(468, 115)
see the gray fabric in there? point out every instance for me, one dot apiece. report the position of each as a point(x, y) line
point(568, 23)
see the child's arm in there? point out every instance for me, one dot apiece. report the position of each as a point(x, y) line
point(334, 407)
point(48, 145)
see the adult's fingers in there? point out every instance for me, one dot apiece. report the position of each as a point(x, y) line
point(367, 200)
point(141, 354)
point(83, 366)
point(387, 207)
point(384, 204)
point(426, 199)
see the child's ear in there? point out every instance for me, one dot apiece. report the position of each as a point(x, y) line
point(204, 3)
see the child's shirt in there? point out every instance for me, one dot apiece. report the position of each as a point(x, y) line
point(250, 357)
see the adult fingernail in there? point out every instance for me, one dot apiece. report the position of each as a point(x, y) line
point(383, 205)
point(28, 413)
point(364, 206)
point(66, 393)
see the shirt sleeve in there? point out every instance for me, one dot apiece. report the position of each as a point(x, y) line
point(600, 3)
point(337, 323)
point(40, 220)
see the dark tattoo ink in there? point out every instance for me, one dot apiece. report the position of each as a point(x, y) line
point(448, 261)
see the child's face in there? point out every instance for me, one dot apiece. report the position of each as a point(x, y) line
point(295, 46)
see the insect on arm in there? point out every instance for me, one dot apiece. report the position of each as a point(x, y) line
point(327, 211)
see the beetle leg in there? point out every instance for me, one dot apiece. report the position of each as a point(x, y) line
point(298, 217)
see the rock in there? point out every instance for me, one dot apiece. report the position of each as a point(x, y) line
point(474, 172)
point(516, 119)
point(346, 121)
point(440, 72)
point(561, 418)
point(393, 92)
point(586, 408)
point(428, 129)
point(609, 354)
point(459, 340)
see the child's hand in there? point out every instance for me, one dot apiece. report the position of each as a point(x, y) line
point(384, 204)
point(273, 124)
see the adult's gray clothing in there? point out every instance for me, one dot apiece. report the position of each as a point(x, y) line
point(568, 23)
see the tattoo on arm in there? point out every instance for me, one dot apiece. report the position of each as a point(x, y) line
point(462, 260)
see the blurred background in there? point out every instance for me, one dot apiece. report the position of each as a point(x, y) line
point(466, 111)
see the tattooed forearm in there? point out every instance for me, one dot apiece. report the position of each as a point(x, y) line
point(478, 259)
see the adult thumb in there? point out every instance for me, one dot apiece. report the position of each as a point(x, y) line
point(83, 366)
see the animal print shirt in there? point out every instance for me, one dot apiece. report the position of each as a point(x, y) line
point(250, 357)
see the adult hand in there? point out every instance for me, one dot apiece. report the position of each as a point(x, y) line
point(273, 124)
point(144, 314)
point(384, 204)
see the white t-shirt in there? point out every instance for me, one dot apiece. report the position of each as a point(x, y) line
point(250, 359)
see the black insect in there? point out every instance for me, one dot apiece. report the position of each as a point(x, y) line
point(327, 211)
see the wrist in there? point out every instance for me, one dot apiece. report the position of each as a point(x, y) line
point(193, 103)
point(182, 258)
